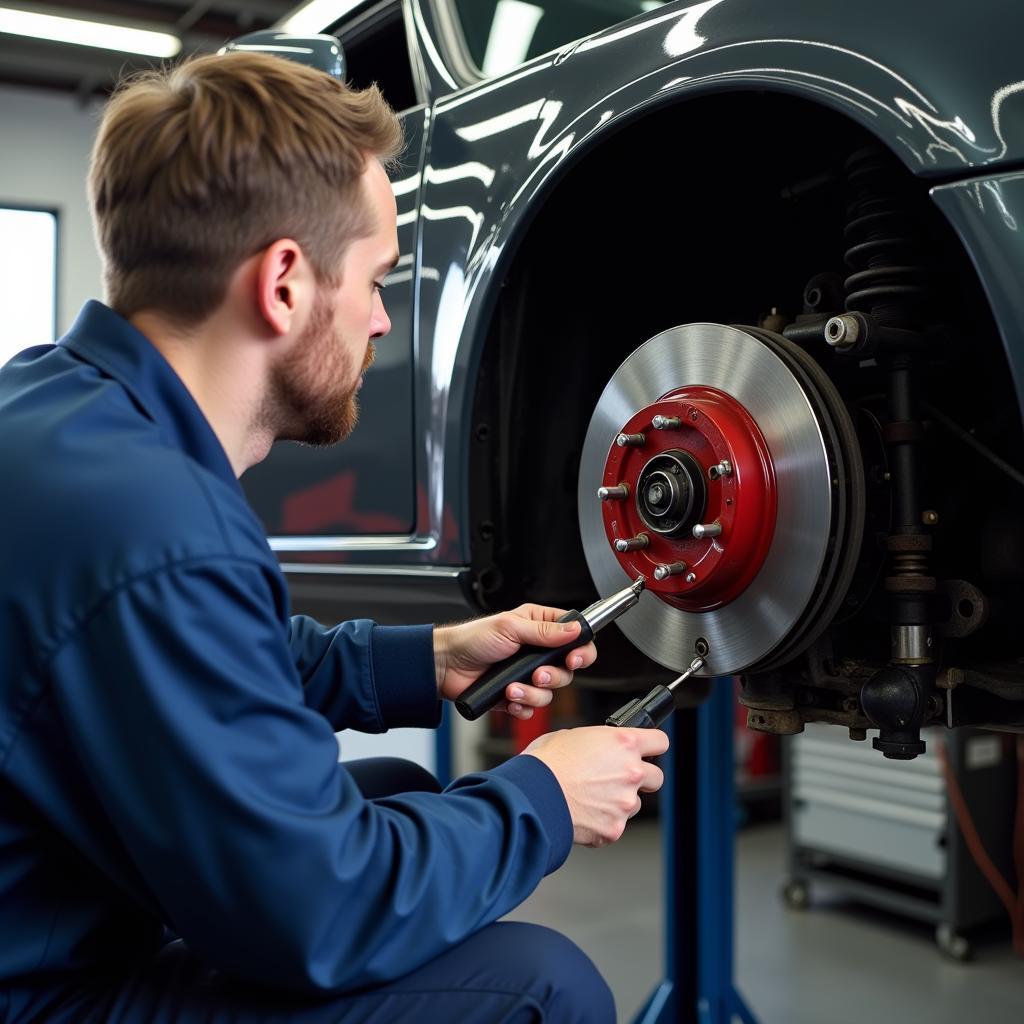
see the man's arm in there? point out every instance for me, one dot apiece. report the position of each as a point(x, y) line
point(183, 705)
point(362, 676)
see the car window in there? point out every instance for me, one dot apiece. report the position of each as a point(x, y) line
point(376, 50)
point(501, 34)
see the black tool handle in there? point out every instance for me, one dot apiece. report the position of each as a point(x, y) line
point(645, 712)
point(489, 689)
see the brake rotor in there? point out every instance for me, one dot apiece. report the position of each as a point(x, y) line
point(721, 464)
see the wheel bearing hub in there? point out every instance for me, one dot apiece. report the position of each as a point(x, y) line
point(711, 469)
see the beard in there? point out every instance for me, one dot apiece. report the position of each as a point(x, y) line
point(310, 398)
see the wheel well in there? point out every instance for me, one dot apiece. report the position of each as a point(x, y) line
point(717, 210)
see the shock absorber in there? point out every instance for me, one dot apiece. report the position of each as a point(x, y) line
point(889, 283)
point(890, 278)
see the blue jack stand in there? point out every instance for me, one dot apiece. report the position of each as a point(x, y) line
point(698, 824)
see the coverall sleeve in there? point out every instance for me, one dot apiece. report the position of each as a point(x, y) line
point(362, 676)
point(186, 713)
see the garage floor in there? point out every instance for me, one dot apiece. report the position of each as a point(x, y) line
point(837, 962)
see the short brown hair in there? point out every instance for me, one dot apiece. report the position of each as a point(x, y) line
point(199, 167)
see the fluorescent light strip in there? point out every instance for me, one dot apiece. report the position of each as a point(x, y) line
point(267, 48)
point(317, 15)
point(88, 33)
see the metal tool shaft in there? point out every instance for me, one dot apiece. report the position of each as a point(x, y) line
point(695, 666)
point(600, 613)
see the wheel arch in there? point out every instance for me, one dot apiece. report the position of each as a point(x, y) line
point(524, 232)
point(748, 236)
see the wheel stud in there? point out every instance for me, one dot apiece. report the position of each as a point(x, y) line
point(631, 440)
point(671, 569)
point(637, 543)
point(613, 493)
point(723, 468)
point(702, 530)
point(666, 422)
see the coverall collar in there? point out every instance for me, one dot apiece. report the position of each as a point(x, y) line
point(108, 341)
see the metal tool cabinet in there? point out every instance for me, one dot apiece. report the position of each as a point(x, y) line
point(883, 832)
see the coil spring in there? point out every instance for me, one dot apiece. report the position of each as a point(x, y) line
point(910, 563)
point(890, 279)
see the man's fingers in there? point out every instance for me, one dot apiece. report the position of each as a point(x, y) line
point(531, 696)
point(579, 657)
point(540, 612)
point(549, 633)
point(654, 778)
point(551, 677)
point(582, 657)
point(518, 710)
point(647, 742)
point(544, 634)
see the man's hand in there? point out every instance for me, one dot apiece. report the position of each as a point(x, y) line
point(462, 653)
point(602, 772)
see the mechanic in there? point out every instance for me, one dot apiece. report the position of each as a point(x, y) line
point(177, 839)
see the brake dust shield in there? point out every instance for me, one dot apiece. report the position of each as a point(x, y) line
point(721, 464)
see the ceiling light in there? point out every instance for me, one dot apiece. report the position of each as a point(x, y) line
point(88, 33)
point(316, 15)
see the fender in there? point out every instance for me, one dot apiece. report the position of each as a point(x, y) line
point(904, 72)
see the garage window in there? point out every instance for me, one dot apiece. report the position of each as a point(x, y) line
point(502, 34)
point(28, 276)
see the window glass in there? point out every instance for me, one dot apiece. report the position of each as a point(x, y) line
point(501, 34)
point(376, 50)
point(28, 279)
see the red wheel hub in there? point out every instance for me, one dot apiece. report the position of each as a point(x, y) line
point(707, 466)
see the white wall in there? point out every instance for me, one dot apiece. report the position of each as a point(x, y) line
point(45, 140)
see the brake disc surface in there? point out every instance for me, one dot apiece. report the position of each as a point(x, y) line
point(738, 451)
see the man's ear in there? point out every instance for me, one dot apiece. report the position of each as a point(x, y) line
point(283, 285)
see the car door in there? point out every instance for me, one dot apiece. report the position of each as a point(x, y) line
point(320, 504)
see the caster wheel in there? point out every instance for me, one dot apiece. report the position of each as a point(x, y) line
point(796, 894)
point(952, 944)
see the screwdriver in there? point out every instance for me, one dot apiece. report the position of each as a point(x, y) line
point(489, 689)
point(650, 711)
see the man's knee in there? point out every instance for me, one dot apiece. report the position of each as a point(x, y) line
point(551, 970)
point(387, 776)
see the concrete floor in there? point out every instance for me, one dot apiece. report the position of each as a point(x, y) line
point(837, 963)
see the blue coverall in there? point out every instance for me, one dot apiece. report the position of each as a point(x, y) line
point(168, 758)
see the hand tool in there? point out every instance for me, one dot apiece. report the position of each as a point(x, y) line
point(649, 712)
point(489, 689)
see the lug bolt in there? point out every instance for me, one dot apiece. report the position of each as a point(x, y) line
point(631, 440)
point(666, 422)
point(637, 543)
point(691, 577)
point(702, 530)
point(671, 569)
point(723, 468)
point(610, 493)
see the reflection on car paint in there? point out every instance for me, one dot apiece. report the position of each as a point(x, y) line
point(495, 148)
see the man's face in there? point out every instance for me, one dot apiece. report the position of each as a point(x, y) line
point(314, 388)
